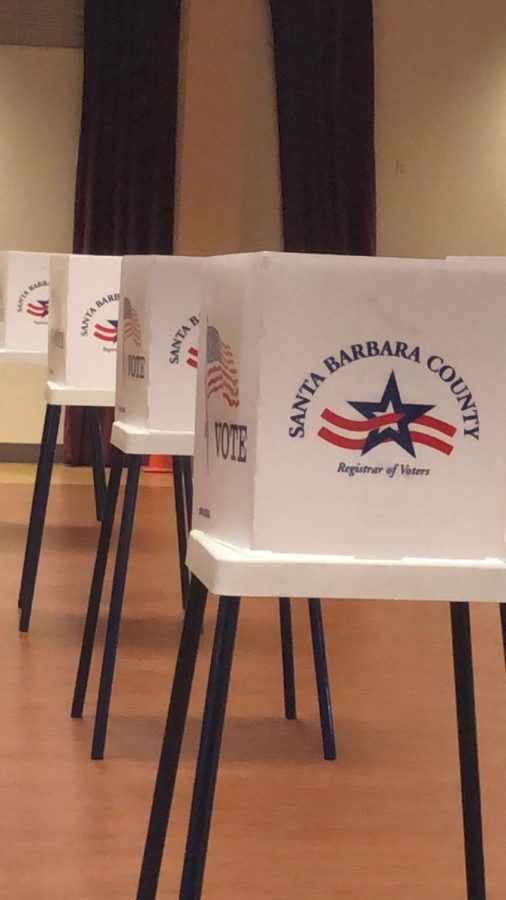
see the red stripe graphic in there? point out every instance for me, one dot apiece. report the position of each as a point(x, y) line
point(368, 425)
point(193, 357)
point(339, 441)
point(363, 425)
point(106, 333)
point(418, 437)
point(437, 424)
point(37, 310)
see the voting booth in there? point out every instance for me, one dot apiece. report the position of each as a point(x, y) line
point(158, 340)
point(24, 306)
point(365, 393)
point(83, 322)
point(349, 444)
point(155, 410)
point(83, 335)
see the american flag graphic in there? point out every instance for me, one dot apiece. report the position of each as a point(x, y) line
point(39, 309)
point(193, 357)
point(107, 332)
point(132, 327)
point(221, 369)
point(427, 430)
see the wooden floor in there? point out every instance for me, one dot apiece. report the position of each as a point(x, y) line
point(383, 823)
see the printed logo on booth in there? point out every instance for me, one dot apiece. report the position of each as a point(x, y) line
point(180, 342)
point(132, 342)
point(388, 420)
point(221, 370)
point(34, 302)
point(417, 422)
point(100, 322)
point(229, 441)
point(131, 324)
point(107, 331)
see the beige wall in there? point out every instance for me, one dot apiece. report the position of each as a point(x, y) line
point(228, 194)
point(441, 127)
point(40, 101)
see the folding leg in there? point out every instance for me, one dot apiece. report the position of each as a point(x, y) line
point(188, 489)
point(179, 495)
point(113, 622)
point(97, 583)
point(285, 623)
point(468, 751)
point(322, 679)
point(502, 609)
point(172, 740)
point(92, 417)
point(38, 514)
point(209, 751)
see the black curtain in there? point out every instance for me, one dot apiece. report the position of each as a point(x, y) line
point(127, 151)
point(324, 62)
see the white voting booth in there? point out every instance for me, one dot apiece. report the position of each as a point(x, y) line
point(155, 411)
point(157, 354)
point(83, 327)
point(349, 444)
point(365, 393)
point(24, 305)
point(83, 333)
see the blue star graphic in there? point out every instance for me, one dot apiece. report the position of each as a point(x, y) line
point(391, 402)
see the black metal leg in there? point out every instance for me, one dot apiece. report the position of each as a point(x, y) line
point(322, 679)
point(181, 525)
point(38, 514)
point(113, 622)
point(92, 416)
point(186, 462)
point(285, 623)
point(502, 609)
point(209, 751)
point(468, 750)
point(97, 584)
point(172, 740)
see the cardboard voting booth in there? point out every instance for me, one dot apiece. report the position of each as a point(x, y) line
point(24, 302)
point(352, 406)
point(158, 341)
point(83, 321)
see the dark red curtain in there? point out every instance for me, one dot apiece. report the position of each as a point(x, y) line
point(127, 151)
point(324, 61)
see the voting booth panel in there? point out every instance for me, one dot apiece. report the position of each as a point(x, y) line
point(159, 325)
point(24, 301)
point(352, 406)
point(83, 320)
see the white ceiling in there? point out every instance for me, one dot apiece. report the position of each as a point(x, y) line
point(42, 23)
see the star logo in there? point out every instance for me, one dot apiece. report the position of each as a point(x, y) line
point(394, 418)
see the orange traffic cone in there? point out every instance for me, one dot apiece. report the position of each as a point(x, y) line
point(158, 463)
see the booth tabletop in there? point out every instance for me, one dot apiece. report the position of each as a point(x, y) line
point(231, 571)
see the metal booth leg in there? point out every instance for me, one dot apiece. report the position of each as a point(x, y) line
point(322, 679)
point(172, 740)
point(209, 751)
point(285, 624)
point(188, 489)
point(92, 416)
point(114, 619)
point(97, 584)
point(179, 496)
point(468, 750)
point(38, 514)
